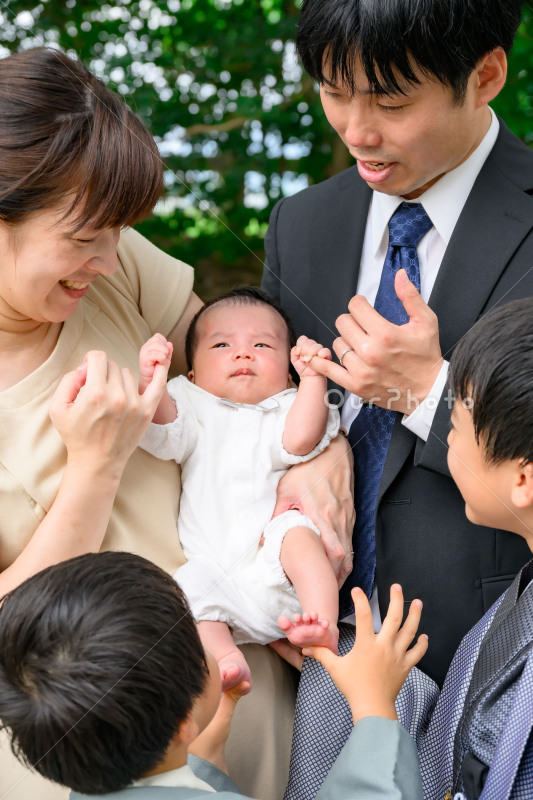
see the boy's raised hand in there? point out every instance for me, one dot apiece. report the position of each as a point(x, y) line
point(153, 352)
point(303, 352)
point(211, 743)
point(372, 673)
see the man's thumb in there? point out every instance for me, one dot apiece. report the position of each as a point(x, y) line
point(408, 294)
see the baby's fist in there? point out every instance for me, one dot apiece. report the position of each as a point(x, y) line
point(153, 352)
point(301, 355)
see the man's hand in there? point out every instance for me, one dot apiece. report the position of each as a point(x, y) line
point(392, 366)
point(372, 673)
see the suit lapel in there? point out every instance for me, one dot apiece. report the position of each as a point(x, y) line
point(475, 259)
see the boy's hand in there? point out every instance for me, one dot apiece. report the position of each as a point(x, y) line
point(372, 673)
point(302, 354)
point(210, 744)
point(155, 351)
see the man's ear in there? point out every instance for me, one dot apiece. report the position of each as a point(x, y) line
point(489, 75)
point(522, 491)
point(188, 730)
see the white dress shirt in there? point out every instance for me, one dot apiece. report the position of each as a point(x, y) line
point(183, 776)
point(443, 202)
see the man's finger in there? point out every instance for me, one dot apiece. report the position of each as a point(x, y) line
point(409, 296)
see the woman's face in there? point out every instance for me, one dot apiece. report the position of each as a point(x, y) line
point(46, 268)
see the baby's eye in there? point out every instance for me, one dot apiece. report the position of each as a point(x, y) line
point(262, 344)
point(220, 344)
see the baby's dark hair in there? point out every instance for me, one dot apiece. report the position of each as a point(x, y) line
point(492, 368)
point(241, 296)
point(100, 662)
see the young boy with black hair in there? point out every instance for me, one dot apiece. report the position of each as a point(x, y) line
point(235, 425)
point(479, 742)
point(105, 686)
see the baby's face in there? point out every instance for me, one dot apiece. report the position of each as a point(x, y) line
point(242, 353)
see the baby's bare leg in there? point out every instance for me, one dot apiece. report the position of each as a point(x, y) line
point(306, 565)
point(216, 638)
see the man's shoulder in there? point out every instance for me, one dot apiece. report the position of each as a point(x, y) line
point(513, 158)
point(346, 182)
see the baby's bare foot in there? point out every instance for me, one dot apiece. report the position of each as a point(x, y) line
point(307, 629)
point(234, 670)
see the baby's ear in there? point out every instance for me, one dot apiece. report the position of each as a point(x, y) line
point(522, 492)
point(190, 375)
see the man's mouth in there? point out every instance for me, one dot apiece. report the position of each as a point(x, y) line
point(376, 165)
point(76, 285)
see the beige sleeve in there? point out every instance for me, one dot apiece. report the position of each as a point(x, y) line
point(158, 284)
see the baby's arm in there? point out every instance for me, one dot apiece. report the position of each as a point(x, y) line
point(372, 673)
point(157, 351)
point(306, 421)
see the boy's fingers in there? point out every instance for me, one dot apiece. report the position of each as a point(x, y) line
point(393, 620)
point(409, 628)
point(416, 652)
point(323, 655)
point(364, 624)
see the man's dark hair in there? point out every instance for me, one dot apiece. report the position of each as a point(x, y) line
point(445, 39)
point(239, 296)
point(492, 368)
point(100, 662)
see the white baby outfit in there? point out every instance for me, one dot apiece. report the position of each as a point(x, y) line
point(232, 460)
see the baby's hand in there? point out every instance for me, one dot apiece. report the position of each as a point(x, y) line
point(302, 354)
point(372, 673)
point(155, 351)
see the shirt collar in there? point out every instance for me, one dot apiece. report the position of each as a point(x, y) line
point(444, 201)
point(183, 776)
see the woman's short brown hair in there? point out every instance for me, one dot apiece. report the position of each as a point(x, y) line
point(64, 135)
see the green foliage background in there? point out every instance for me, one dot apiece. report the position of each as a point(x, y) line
point(238, 122)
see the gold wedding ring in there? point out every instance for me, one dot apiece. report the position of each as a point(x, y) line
point(348, 350)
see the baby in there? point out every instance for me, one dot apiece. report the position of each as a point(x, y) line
point(236, 426)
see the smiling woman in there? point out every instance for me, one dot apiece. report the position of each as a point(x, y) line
point(78, 297)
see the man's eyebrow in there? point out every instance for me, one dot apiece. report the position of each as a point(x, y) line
point(368, 91)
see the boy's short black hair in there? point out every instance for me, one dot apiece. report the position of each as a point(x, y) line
point(100, 662)
point(445, 39)
point(492, 369)
point(243, 296)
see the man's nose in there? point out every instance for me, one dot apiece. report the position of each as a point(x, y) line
point(361, 130)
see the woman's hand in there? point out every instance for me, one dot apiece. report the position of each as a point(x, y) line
point(373, 672)
point(100, 414)
point(323, 490)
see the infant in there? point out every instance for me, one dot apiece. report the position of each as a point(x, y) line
point(235, 426)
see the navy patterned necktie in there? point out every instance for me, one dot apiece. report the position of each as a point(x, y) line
point(371, 430)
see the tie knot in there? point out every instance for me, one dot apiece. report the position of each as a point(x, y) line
point(408, 224)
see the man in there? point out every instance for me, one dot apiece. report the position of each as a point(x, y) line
point(407, 85)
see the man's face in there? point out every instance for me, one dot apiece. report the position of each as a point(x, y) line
point(405, 143)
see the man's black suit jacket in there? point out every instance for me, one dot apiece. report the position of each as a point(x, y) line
point(423, 539)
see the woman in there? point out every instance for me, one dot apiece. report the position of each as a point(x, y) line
point(77, 299)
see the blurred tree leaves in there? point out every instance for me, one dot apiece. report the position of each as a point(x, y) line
point(238, 123)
